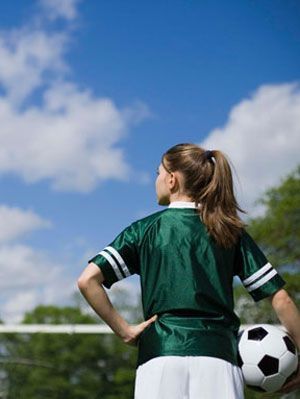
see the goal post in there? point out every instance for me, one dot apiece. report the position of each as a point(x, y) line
point(67, 328)
point(55, 328)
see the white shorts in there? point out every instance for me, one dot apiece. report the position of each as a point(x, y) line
point(188, 377)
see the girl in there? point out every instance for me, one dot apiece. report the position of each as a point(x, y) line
point(186, 256)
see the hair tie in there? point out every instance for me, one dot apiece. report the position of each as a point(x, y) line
point(208, 154)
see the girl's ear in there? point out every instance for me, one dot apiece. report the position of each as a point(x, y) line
point(174, 182)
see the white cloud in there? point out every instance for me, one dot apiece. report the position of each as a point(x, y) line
point(14, 308)
point(22, 266)
point(70, 137)
point(60, 8)
point(261, 138)
point(27, 60)
point(16, 222)
point(28, 278)
point(31, 277)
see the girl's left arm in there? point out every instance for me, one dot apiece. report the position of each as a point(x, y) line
point(90, 285)
point(289, 316)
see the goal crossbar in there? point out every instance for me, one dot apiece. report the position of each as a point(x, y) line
point(55, 328)
point(66, 328)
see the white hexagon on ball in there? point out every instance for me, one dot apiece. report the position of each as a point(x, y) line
point(273, 383)
point(251, 350)
point(254, 375)
point(268, 343)
point(288, 364)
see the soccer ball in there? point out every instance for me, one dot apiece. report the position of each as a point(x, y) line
point(267, 356)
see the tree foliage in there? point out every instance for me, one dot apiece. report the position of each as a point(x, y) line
point(278, 230)
point(66, 366)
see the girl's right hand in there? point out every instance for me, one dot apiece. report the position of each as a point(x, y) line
point(135, 331)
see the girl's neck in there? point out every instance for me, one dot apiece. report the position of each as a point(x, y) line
point(177, 198)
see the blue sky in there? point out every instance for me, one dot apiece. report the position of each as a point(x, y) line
point(91, 95)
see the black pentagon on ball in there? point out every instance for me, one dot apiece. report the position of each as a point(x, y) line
point(257, 334)
point(269, 365)
point(289, 344)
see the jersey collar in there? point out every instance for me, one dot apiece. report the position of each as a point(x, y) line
point(182, 204)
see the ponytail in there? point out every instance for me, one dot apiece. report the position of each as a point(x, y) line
point(208, 181)
point(218, 204)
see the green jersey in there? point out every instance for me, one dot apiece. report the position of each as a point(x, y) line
point(187, 280)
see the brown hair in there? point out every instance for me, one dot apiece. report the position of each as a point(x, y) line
point(207, 179)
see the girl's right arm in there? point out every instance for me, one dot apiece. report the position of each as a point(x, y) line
point(289, 316)
point(90, 285)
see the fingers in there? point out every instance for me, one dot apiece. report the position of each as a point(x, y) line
point(137, 330)
point(288, 388)
point(151, 320)
point(291, 385)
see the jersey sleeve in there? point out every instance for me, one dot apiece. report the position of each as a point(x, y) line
point(120, 258)
point(256, 273)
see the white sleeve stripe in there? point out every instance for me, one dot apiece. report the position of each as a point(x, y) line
point(262, 281)
point(120, 260)
point(113, 264)
point(257, 274)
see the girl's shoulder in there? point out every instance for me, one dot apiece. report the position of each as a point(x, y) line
point(149, 219)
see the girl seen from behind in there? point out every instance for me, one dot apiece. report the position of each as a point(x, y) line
point(186, 256)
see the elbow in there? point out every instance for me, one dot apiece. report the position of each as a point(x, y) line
point(89, 277)
point(83, 282)
point(281, 300)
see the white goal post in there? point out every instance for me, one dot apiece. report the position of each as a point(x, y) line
point(67, 328)
point(55, 328)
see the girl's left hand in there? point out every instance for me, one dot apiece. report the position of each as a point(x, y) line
point(135, 331)
point(292, 385)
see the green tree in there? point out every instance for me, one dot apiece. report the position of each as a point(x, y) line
point(278, 230)
point(66, 366)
